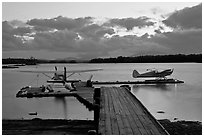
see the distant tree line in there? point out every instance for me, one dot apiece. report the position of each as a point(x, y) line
point(139, 59)
point(152, 59)
point(36, 61)
point(30, 61)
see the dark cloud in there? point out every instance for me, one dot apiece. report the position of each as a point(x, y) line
point(84, 38)
point(8, 27)
point(21, 30)
point(18, 23)
point(9, 42)
point(41, 28)
point(157, 31)
point(145, 36)
point(94, 31)
point(63, 40)
point(186, 18)
point(185, 41)
point(130, 23)
point(61, 23)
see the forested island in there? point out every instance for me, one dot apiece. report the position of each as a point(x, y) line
point(178, 58)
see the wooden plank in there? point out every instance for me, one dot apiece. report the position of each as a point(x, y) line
point(122, 124)
point(131, 117)
point(136, 112)
point(151, 126)
point(135, 116)
point(107, 116)
point(124, 114)
point(114, 124)
point(141, 115)
point(145, 119)
point(145, 123)
point(101, 128)
point(118, 114)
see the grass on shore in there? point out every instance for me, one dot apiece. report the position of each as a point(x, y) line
point(182, 127)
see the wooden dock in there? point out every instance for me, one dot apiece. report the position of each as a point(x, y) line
point(121, 113)
point(83, 93)
point(157, 81)
point(116, 110)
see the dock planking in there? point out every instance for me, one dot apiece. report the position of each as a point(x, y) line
point(121, 113)
point(84, 93)
point(155, 81)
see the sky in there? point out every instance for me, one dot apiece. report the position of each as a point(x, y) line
point(86, 30)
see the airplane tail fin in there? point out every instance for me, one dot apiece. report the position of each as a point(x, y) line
point(135, 74)
point(55, 74)
point(89, 83)
point(65, 74)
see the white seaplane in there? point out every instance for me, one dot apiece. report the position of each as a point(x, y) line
point(61, 77)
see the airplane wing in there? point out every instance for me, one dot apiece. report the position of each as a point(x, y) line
point(52, 71)
point(38, 71)
point(81, 71)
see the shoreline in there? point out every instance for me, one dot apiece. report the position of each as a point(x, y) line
point(182, 127)
point(39, 126)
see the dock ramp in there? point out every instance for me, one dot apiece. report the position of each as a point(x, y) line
point(121, 113)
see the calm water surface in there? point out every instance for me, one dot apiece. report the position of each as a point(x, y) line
point(182, 101)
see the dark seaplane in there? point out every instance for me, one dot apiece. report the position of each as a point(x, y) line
point(159, 75)
point(153, 73)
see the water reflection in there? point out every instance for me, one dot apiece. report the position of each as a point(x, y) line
point(156, 87)
point(62, 101)
point(183, 101)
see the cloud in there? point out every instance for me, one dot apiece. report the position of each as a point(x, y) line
point(9, 41)
point(133, 45)
point(84, 38)
point(61, 23)
point(181, 41)
point(186, 18)
point(14, 29)
point(62, 40)
point(94, 31)
point(130, 23)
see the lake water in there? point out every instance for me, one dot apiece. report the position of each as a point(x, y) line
point(182, 101)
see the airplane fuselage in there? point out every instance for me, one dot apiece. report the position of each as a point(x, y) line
point(156, 73)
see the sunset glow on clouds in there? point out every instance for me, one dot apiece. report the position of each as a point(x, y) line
point(90, 37)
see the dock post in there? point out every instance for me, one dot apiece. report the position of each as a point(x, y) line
point(96, 106)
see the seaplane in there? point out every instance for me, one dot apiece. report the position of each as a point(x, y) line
point(160, 76)
point(61, 77)
point(153, 73)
